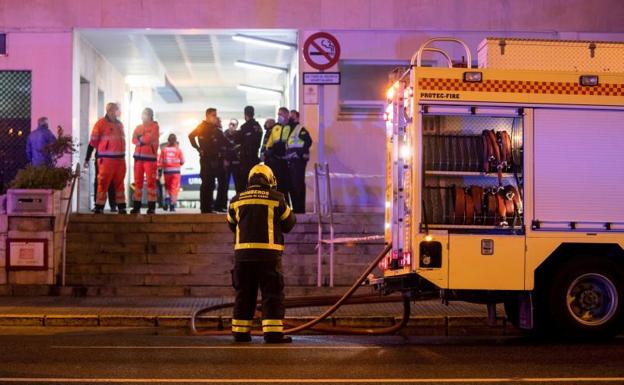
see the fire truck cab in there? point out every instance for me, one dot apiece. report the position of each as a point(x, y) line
point(505, 183)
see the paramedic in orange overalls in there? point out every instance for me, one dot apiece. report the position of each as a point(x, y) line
point(170, 161)
point(145, 139)
point(109, 139)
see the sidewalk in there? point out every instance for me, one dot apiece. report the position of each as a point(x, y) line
point(429, 316)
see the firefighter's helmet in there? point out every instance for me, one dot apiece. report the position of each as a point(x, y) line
point(263, 172)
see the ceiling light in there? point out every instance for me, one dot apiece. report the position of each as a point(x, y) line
point(263, 41)
point(261, 67)
point(248, 88)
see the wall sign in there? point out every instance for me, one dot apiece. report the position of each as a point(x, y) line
point(321, 51)
point(27, 254)
point(321, 78)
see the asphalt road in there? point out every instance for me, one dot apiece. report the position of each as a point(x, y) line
point(70, 355)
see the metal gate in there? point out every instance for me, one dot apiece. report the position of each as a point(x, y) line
point(15, 98)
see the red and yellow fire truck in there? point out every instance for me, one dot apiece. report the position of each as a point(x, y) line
point(505, 183)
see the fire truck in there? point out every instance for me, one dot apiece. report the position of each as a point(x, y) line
point(505, 182)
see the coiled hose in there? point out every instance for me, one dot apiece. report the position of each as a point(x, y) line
point(315, 301)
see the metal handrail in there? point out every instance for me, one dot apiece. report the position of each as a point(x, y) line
point(75, 178)
point(321, 209)
point(417, 58)
point(441, 52)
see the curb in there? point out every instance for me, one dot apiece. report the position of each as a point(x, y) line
point(438, 325)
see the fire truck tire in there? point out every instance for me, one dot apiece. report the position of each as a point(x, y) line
point(512, 311)
point(583, 299)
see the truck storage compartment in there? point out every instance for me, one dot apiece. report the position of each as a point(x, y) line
point(472, 170)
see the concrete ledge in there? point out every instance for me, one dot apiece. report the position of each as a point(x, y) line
point(71, 320)
point(22, 320)
point(127, 320)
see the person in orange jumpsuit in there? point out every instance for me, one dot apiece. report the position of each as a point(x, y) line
point(170, 161)
point(109, 139)
point(145, 139)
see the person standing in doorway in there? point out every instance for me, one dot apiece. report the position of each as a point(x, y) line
point(250, 139)
point(297, 156)
point(276, 151)
point(145, 139)
point(171, 161)
point(268, 126)
point(232, 157)
point(38, 142)
point(222, 181)
point(209, 141)
point(109, 140)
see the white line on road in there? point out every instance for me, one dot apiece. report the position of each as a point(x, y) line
point(317, 381)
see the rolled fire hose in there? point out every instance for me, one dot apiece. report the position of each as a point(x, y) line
point(314, 324)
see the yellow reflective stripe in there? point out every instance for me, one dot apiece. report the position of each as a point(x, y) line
point(241, 329)
point(230, 219)
point(273, 329)
point(272, 322)
point(237, 213)
point(286, 213)
point(242, 322)
point(270, 225)
point(263, 246)
point(255, 201)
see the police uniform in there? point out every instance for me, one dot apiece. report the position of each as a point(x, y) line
point(297, 156)
point(232, 155)
point(212, 145)
point(259, 216)
point(250, 137)
point(276, 156)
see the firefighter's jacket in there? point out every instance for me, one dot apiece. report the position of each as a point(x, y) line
point(259, 216)
point(108, 139)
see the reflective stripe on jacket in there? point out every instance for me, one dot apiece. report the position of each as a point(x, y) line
point(108, 138)
point(145, 139)
point(259, 216)
point(276, 143)
point(171, 159)
point(298, 144)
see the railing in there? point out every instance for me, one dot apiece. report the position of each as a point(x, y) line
point(74, 183)
point(324, 209)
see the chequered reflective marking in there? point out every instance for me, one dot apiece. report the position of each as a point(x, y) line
point(521, 87)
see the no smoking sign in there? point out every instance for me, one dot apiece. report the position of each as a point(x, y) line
point(321, 51)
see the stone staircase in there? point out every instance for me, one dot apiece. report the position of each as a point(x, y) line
point(192, 254)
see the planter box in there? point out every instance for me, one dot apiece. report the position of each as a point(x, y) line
point(33, 202)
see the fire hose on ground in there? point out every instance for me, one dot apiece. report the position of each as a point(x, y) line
point(347, 298)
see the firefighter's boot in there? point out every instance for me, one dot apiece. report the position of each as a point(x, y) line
point(151, 207)
point(121, 209)
point(172, 208)
point(99, 209)
point(167, 204)
point(276, 338)
point(242, 337)
point(136, 207)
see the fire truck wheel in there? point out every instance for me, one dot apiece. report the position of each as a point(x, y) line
point(512, 311)
point(585, 299)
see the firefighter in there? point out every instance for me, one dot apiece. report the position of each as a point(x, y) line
point(250, 138)
point(297, 156)
point(109, 141)
point(170, 161)
point(145, 139)
point(276, 150)
point(259, 216)
point(210, 143)
point(232, 160)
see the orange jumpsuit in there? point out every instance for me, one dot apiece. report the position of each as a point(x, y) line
point(145, 138)
point(109, 139)
point(171, 159)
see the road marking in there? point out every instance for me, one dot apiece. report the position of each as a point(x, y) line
point(213, 347)
point(317, 381)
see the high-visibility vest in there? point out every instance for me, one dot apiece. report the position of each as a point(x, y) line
point(278, 139)
point(108, 138)
point(295, 143)
point(171, 159)
point(145, 138)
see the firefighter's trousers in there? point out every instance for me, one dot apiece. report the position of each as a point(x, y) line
point(172, 186)
point(111, 171)
point(247, 277)
point(145, 170)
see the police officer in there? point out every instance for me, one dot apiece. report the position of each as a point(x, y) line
point(232, 158)
point(259, 216)
point(297, 156)
point(109, 141)
point(275, 150)
point(210, 144)
point(250, 136)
